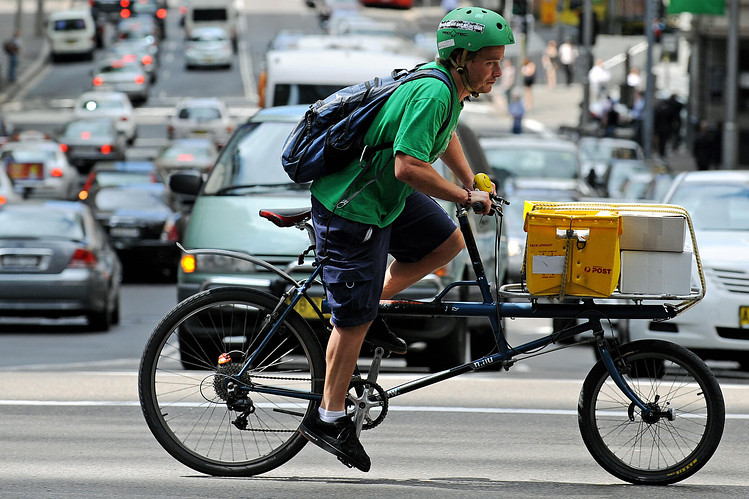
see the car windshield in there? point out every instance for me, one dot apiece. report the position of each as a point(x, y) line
point(293, 93)
point(200, 113)
point(715, 206)
point(135, 199)
point(252, 158)
point(100, 104)
point(28, 156)
point(87, 129)
point(529, 162)
point(113, 178)
point(41, 223)
point(184, 152)
point(595, 151)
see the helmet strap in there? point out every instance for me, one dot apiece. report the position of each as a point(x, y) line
point(460, 67)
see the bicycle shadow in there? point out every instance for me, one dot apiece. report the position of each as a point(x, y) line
point(486, 487)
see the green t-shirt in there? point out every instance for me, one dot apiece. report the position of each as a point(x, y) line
point(410, 118)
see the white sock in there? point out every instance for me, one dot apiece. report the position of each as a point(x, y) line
point(329, 416)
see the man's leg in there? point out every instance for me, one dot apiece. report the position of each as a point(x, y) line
point(401, 275)
point(340, 358)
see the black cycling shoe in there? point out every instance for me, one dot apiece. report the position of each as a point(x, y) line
point(338, 438)
point(380, 335)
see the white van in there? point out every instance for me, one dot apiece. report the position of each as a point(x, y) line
point(212, 13)
point(71, 32)
point(306, 76)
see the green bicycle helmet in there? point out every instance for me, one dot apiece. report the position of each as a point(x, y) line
point(472, 28)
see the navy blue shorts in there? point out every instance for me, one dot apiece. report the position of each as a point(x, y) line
point(358, 253)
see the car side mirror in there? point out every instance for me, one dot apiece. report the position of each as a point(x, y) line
point(187, 183)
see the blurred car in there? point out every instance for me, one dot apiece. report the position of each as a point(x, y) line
point(71, 32)
point(531, 157)
point(129, 51)
point(200, 117)
point(133, 215)
point(208, 47)
point(87, 141)
point(649, 186)
point(247, 177)
point(597, 152)
point(39, 168)
point(186, 154)
point(715, 328)
point(121, 75)
point(113, 105)
point(119, 173)
point(156, 10)
point(140, 28)
point(517, 190)
point(56, 261)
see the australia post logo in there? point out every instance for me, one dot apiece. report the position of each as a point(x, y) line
point(597, 269)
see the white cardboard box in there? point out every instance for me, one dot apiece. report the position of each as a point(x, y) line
point(652, 232)
point(656, 272)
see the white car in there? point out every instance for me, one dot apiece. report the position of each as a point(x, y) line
point(718, 326)
point(201, 118)
point(39, 168)
point(113, 105)
point(208, 47)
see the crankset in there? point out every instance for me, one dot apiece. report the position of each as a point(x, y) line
point(368, 401)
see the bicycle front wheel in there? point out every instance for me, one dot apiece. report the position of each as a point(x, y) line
point(644, 449)
point(204, 422)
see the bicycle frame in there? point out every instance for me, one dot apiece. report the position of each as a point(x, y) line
point(489, 308)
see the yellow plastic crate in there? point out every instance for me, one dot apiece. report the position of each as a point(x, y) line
point(589, 265)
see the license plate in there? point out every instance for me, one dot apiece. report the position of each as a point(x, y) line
point(26, 171)
point(744, 316)
point(20, 261)
point(124, 232)
point(306, 310)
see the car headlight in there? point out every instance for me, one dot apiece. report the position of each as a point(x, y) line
point(215, 264)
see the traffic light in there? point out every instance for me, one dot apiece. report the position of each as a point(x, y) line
point(520, 7)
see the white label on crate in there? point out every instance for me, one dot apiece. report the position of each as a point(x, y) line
point(543, 264)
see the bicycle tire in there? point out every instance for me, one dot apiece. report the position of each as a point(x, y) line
point(186, 410)
point(659, 452)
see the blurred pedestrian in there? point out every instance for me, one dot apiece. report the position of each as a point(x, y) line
point(550, 61)
point(667, 117)
point(507, 81)
point(638, 116)
point(12, 47)
point(528, 72)
point(448, 5)
point(517, 111)
point(567, 57)
point(598, 78)
point(706, 147)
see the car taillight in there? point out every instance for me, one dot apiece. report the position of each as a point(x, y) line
point(64, 147)
point(85, 135)
point(56, 172)
point(82, 259)
point(106, 149)
point(161, 13)
point(147, 60)
point(124, 3)
point(125, 13)
point(3, 200)
point(169, 233)
point(140, 80)
point(98, 81)
point(123, 118)
point(83, 195)
point(185, 157)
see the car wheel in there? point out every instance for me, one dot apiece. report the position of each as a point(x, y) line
point(99, 321)
point(443, 353)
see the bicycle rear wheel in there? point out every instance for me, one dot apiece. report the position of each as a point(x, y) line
point(652, 450)
point(184, 394)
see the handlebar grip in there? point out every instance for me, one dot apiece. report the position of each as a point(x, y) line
point(477, 207)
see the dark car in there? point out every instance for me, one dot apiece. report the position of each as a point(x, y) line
point(87, 141)
point(56, 261)
point(134, 216)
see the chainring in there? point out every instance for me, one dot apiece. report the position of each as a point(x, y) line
point(355, 399)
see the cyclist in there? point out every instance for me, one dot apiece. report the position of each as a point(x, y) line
point(393, 213)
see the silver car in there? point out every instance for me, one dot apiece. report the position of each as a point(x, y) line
point(55, 261)
point(207, 47)
point(39, 168)
point(122, 75)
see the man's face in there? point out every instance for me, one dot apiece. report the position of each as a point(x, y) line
point(484, 69)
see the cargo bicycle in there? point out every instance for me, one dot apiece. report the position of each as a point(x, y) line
point(649, 411)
